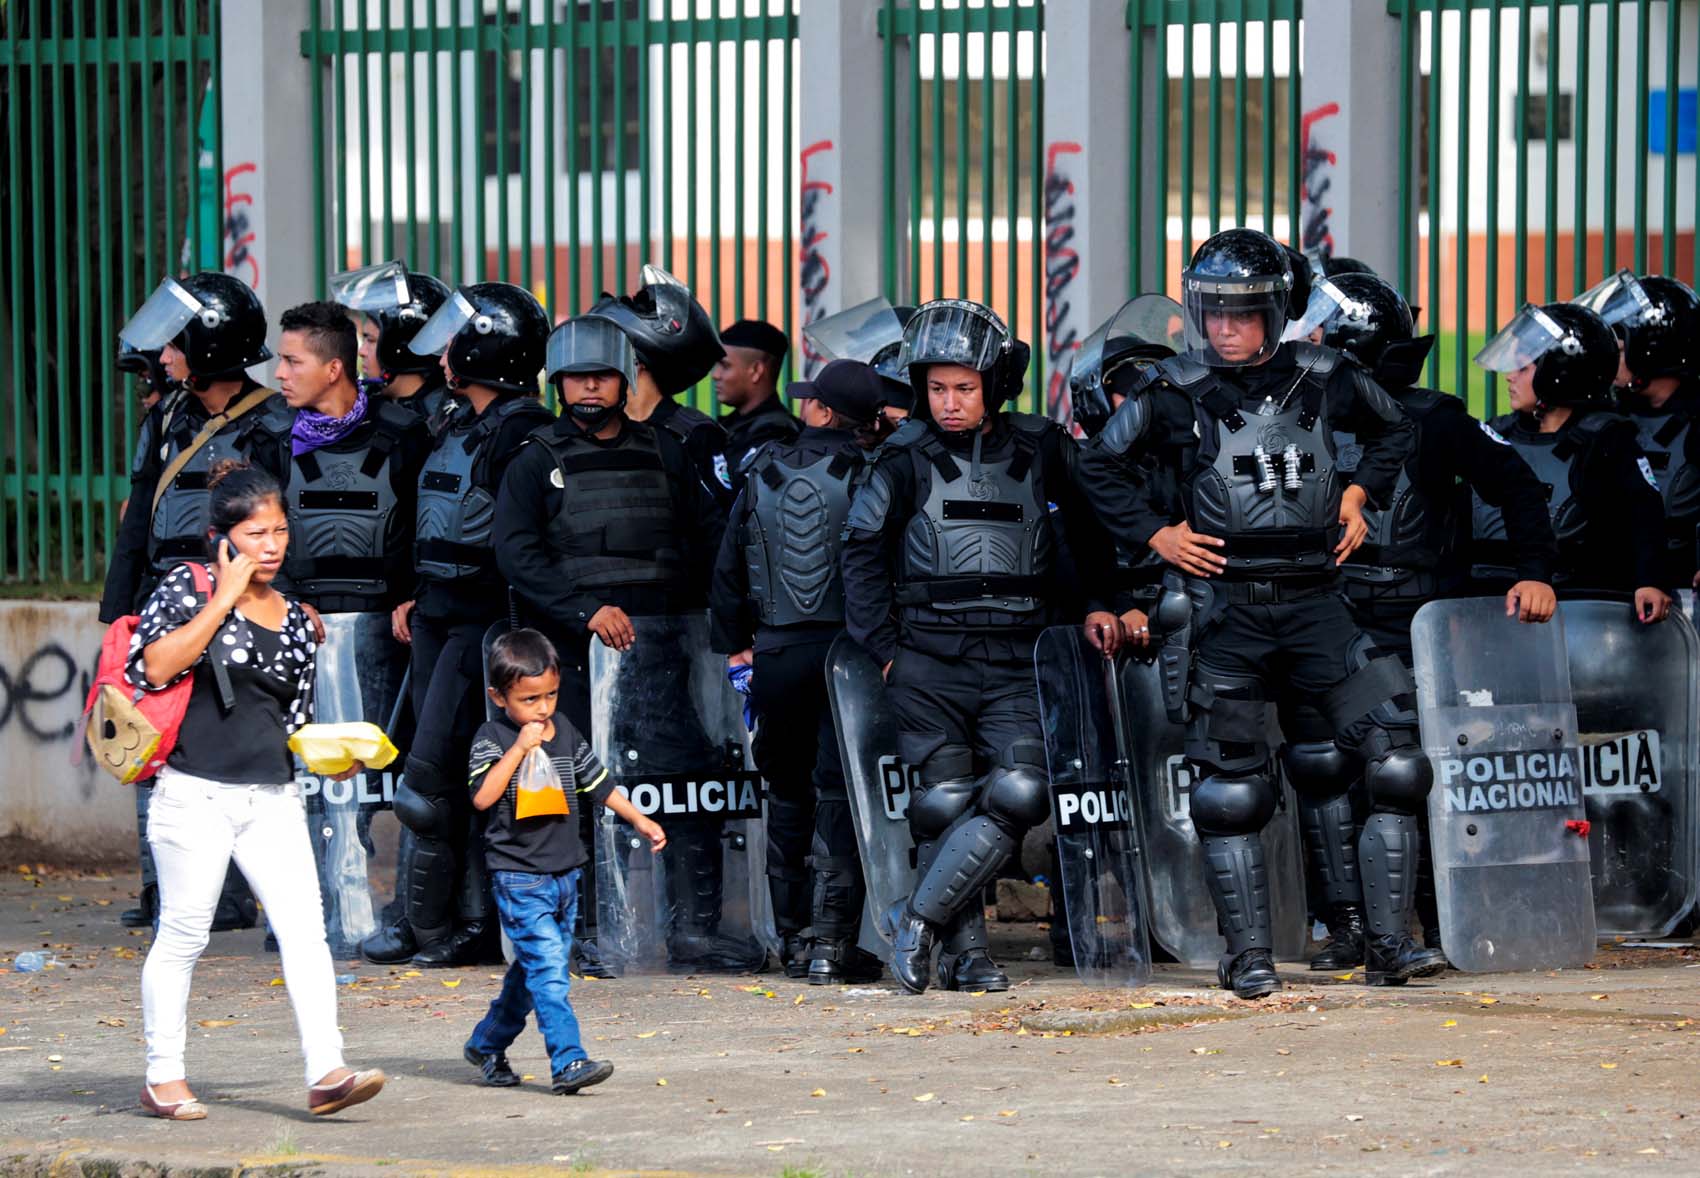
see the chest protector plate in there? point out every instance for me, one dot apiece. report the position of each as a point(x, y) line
point(982, 539)
point(455, 514)
point(617, 524)
point(1272, 489)
point(1665, 440)
point(795, 533)
point(1397, 546)
point(179, 525)
point(1554, 459)
point(340, 512)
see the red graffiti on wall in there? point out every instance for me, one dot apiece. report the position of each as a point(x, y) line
point(1316, 231)
point(239, 233)
point(814, 271)
point(1062, 266)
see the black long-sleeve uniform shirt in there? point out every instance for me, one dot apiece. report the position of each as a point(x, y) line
point(1135, 472)
point(733, 618)
point(1080, 576)
point(1622, 546)
point(529, 499)
point(748, 429)
point(705, 442)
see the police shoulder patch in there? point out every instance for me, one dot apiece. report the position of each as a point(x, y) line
point(1647, 473)
point(1493, 434)
point(721, 471)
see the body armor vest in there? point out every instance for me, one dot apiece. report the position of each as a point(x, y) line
point(455, 514)
point(340, 509)
point(1554, 458)
point(1272, 488)
point(795, 532)
point(981, 538)
point(1664, 437)
point(1397, 557)
point(178, 530)
point(617, 524)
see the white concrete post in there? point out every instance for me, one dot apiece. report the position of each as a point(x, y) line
point(841, 165)
point(267, 186)
point(1350, 133)
point(1087, 218)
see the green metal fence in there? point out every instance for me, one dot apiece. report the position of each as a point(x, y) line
point(1538, 165)
point(560, 144)
point(111, 157)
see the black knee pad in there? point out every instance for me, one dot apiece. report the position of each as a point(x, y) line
point(427, 815)
point(1016, 798)
point(1398, 781)
point(934, 807)
point(1318, 769)
point(1231, 805)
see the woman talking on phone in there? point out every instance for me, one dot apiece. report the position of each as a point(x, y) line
point(228, 789)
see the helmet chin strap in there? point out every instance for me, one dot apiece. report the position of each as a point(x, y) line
point(591, 418)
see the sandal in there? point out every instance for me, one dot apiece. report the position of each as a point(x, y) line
point(354, 1088)
point(179, 1110)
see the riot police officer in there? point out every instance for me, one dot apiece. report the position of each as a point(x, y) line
point(154, 385)
point(953, 564)
point(489, 339)
point(1260, 518)
point(871, 332)
point(778, 604)
point(207, 330)
point(1657, 321)
point(394, 303)
point(676, 347)
point(746, 380)
point(1411, 553)
point(1559, 361)
point(602, 520)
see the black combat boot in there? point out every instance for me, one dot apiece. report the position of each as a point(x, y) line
point(964, 963)
point(1394, 959)
point(390, 945)
point(1251, 975)
point(911, 946)
point(468, 944)
point(1389, 851)
point(841, 962)
point(1344, 948)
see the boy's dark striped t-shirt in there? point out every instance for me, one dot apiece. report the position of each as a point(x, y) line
point(550, 844)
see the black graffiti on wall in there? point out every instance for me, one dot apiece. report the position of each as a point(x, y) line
point(33, 695)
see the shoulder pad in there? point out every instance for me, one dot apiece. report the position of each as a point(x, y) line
point(1596, 424)
point(1421, 402)
point(1031, 423)
point(871, 505)
point(275, 416)
point(1126, 425)
point(759, 454)
point(1317, 358)
point(396, 418)
point(906, 435)
point(1183, 372)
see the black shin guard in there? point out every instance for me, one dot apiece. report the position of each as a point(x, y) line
point(1387, 857)
point(1239, 884)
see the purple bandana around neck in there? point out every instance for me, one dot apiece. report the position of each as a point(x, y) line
point(313, 429)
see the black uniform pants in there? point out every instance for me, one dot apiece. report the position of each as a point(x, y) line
point(960, 717)
point(813, 868)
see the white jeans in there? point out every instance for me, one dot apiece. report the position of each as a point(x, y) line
point(195, 827)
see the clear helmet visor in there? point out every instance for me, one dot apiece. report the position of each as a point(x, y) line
point(159, 320)
point(954, 331)
point(1528, 337)
point(1236, 322)
point(856, 333)
point(1144, 319)
point(1327, 303)
point(382, 287)
point(589, 344)
point(455, 313)
point(1620, 299)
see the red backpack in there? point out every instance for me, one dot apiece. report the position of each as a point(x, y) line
point(131, 732)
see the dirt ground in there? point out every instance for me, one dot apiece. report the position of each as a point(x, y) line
point(1582, 1071)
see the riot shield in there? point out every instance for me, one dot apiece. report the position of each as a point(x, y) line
point(1636, 700)
point(361, 675)
point(1098, 849)
point(879, 783)
point(1507, 824)
point(669, 728)
point(1182, 918)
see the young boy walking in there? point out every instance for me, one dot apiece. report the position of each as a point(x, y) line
point(535, 861)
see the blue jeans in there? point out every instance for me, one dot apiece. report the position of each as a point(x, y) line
point(537, 913)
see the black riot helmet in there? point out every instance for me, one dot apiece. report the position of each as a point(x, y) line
point(214, 319)
point(1359, 314)
point(1240, 273)
point(1658, 320)
point(400, 302)
point(1146, 330)
point(964, 333)
point(145, 363)
point(493, 333)
point(672, 334)
point(1572, 349)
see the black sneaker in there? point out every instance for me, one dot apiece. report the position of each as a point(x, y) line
point(497, 1073)
point(581, 1074)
